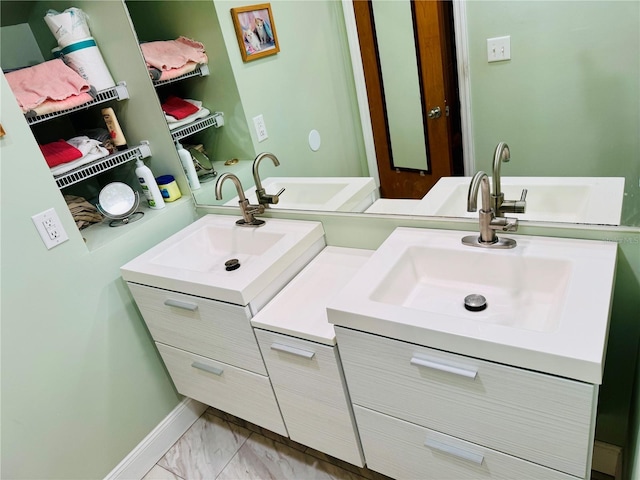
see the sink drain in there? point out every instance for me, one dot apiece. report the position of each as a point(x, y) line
point(475, 302)
point(232, 264)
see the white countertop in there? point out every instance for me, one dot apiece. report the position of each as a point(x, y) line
point(299, 309)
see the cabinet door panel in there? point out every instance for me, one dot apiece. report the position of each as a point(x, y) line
point(216, 330)
point(234, 390)
point(307, 378)
point(537, 417)
point(404, 450)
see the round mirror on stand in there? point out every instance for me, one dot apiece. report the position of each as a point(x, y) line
point(119, 202)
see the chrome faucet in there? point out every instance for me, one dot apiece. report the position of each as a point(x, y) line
point(248, 210)
point(498, 203)
point(489, 223)
point(264, 198)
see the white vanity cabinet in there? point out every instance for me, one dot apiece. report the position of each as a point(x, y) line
point(299, 348)
point(424, 410)
point(308, 382)
point(211, 353)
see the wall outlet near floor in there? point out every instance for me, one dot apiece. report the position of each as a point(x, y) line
point(261, 129)
point(50, 228)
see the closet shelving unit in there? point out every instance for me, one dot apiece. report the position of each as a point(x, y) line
point(103, 164)
point(118, 92)
point(213, 120)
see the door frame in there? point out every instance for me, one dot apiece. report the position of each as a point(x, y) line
point(462, 59)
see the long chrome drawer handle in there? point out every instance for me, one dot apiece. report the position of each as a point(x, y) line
point(476, 458)
point(469, 372)
point(207, 368)
point(292, 350)
point(170, 302)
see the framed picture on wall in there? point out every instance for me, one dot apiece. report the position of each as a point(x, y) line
point(256, 31)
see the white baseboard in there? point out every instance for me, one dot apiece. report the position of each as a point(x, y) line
point(152, 448)
point(607, 459)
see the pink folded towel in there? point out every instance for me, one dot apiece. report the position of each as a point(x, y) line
point(168, 54)
point(59, 152)
point(51, 80)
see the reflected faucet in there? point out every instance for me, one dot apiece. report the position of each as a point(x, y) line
point(264, 198)
point(489, 223)
point(498, 203)
point(248, 210)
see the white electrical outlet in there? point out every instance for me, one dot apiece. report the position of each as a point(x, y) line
point(261, 128)
point(50, 228)
point(499, 49)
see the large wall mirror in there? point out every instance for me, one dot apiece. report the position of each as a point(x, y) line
point(567, 103)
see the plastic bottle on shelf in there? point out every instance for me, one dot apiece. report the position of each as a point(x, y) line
point(149, 186)
point(188, 166)
point(115, 132)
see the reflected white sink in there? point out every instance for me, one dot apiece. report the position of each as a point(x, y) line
point(595, 200)
point(336, 194)
point(547, 309)
point(193, 260)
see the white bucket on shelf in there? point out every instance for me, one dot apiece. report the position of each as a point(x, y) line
point(85, 58)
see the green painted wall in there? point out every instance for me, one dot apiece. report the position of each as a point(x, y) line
point(307, 85)
point(567, 102)
point(82, 383)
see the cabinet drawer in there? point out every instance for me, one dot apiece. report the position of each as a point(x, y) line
point(401, 449)
point(307, 378)
point(234, 390)
point(209, 328)
point(541, 418)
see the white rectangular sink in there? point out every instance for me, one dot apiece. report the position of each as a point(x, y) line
point(335, 194)
point(548, 299)
point(193, 260)
point(596, 200)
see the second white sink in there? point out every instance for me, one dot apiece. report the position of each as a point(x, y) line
point(595, 200)
point(548, 299)
point(334, 194)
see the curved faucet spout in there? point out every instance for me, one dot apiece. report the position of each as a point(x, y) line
point(480, 181)
point(247, 209)
point(264, 198)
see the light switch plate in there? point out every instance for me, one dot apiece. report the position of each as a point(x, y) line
point(499, 49)
point(50, 228)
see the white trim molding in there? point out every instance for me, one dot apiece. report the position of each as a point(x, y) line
point(152, 448)
point(464, 83)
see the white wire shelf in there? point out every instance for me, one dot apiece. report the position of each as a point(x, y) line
point(103, 164)
point(200, 71)
point(119, 92)
point(214, 120)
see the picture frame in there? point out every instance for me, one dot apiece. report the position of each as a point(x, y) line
point(255, 31)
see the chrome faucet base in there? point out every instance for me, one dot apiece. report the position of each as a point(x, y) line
point(256, 222)
point(476, 241)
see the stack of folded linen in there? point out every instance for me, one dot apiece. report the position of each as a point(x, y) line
point(48, 87)
point(167, 59)
point(63, 156)
point(179, 112)
point(83, 212)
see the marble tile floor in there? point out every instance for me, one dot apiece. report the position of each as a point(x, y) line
point(219, 446)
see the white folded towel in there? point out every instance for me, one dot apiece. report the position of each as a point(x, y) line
point(91, 150)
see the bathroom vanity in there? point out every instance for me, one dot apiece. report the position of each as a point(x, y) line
point(372, 357)
point(506, 392)
point(199, 313)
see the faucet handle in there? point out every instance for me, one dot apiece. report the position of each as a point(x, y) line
point(515, 206)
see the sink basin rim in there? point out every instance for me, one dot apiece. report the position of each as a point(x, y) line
point(557, 352)
point(239, 286)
